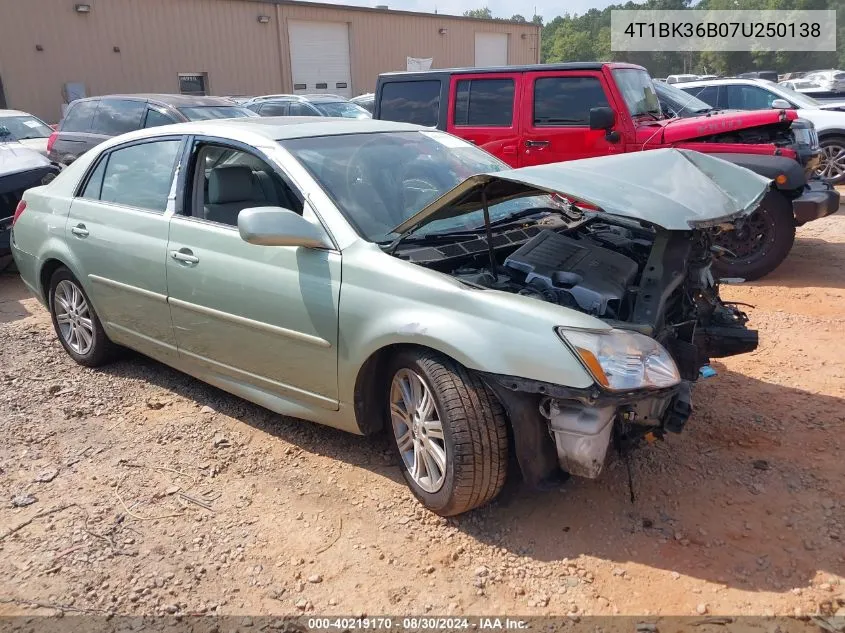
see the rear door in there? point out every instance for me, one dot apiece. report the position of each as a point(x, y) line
point(483, 109)
point(555, 117)
point(117, 231)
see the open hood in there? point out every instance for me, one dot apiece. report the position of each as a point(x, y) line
point(672, 188)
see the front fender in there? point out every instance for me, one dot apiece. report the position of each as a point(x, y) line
point(386, 301)
point(770, 167)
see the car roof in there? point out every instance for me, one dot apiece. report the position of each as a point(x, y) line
point(173, 100)
point(725, 81)
point(272, 128)
point(510, 69)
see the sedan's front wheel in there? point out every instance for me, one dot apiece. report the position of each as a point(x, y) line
point(449, 430)
point(77, 325)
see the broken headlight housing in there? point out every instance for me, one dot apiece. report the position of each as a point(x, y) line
point(621, 360)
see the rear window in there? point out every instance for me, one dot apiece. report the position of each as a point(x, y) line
point(411, 102)
point(118, 116)
point(484, 102)
point(78, 116)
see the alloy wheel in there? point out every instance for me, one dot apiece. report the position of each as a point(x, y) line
point(832, 164)
point(418, 430)
point(73, 317)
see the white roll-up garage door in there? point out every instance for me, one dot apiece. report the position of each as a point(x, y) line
point(491, 49)
point(319, 57)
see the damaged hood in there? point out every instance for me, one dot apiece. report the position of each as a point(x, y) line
point(675, 189)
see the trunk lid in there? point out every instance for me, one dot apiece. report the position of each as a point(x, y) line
point(675, 189)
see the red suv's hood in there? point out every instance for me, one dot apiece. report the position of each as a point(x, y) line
point(691, 128)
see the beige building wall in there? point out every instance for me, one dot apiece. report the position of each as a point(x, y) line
point(158, 39)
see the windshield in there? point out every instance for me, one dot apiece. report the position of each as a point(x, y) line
point(24, 127)
point(343, 109)
point(679, 101)
point(638, 90)
point(380, 180)
point(204, 113)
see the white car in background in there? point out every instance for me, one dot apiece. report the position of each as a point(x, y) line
point(28, 130)
point(827, 80)
point(760, 94)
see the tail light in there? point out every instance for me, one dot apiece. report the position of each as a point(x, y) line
point(51, 140)
point(18, 211)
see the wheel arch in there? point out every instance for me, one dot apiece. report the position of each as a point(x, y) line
point(371, 375)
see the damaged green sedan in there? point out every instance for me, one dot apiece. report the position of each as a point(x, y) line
point(374, 276)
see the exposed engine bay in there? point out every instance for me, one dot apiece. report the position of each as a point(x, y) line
point(653, 281)
point(779, 134)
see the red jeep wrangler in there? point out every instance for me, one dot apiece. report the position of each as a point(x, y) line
point(529, 115)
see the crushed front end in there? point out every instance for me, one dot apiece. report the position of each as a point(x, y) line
point(648, 282)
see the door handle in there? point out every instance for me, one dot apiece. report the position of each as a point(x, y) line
point(185, 255)
point(536, 143)
point(80, 230)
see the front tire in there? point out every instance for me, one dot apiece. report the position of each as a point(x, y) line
point(832, 166)
point(761, 244)
point(449, 431)
point(76, 323)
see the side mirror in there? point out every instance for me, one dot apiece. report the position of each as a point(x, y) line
point(275, 226)
point(781, 104)
point(602, 118)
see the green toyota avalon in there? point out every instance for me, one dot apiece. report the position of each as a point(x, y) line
point(375, 276)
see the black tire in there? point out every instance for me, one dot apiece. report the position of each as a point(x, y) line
point(835, 176)
point(474, 432)
point(102, 350)
point(761, 244)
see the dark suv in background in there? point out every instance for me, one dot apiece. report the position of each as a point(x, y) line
point(89, 122)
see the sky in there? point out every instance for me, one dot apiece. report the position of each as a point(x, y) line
point(500, 8)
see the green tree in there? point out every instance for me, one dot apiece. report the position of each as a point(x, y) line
point(484, 13)
point(518, 18)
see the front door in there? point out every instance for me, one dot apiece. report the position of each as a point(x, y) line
point(265, 317)
point(117, 231)
point(484, 110)
point(556, 117)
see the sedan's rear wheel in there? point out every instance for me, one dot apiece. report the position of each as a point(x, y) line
point(449, 431)
point(832, 165)
point(77, 325)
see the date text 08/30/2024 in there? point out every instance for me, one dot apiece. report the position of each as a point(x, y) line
point(417, 624)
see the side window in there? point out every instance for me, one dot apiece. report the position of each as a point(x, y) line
point(708, 94)
point(484, 102)
point(95, 180)
point(274, 109)
point(298, 108)
point(141, 175)
point(749, 98)
point(228, 180)
point(566, 101)
point(79, 115)
point(411, 102)
point(118, 116)
point(156, 118)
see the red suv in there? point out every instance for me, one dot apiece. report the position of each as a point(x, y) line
point(530, 115)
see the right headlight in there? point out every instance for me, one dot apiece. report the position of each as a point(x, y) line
point(621, 360)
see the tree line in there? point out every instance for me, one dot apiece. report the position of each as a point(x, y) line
point(586, 37)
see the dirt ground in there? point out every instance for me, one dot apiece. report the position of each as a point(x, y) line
point(151, 493)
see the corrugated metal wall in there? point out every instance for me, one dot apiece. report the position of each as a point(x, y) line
point(160, 38)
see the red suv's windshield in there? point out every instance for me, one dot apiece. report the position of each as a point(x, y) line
point(637, 90)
